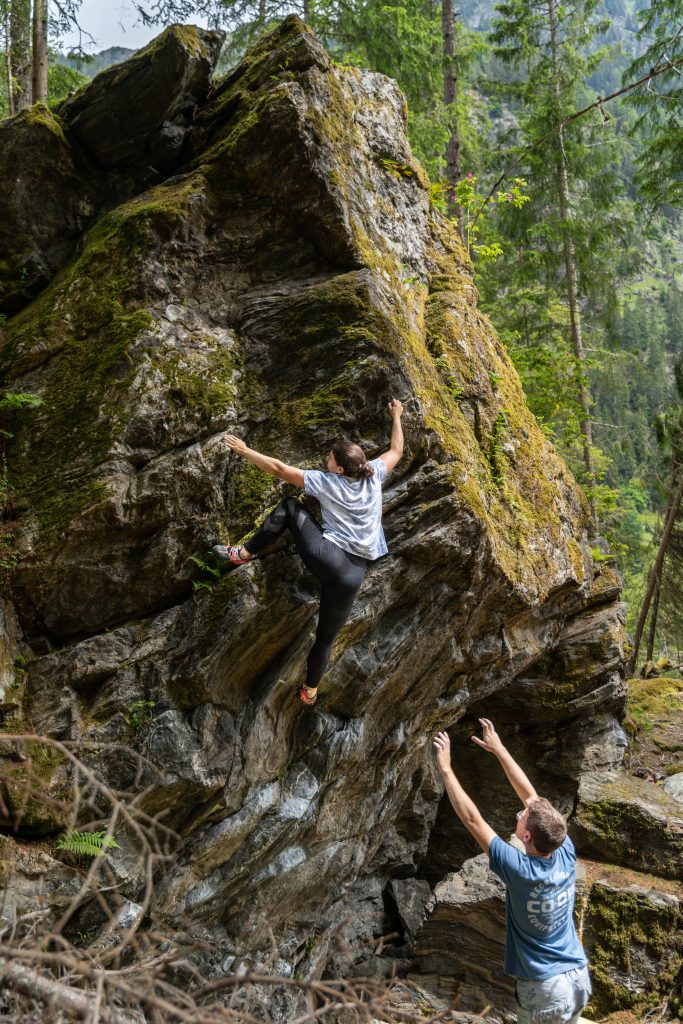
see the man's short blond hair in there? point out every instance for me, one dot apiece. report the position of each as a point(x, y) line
point(547, 826)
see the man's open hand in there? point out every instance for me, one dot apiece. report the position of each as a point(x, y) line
point(491, 741)
point(443, 751)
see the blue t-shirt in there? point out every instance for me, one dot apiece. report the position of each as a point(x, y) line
point(352, 509)
point(540, 937)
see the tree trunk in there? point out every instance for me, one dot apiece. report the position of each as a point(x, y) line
point(308, 10)
point(656, 571)
point(8, 61)
point(450, 97)
point(570, 265)
point(653, 620)
point(20, 53)
point(39, 50)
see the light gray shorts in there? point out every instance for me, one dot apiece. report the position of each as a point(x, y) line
point(557, 1000)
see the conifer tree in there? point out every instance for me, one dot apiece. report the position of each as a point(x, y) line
point(659, 103)
point(669, 428)
point(20, 53)
point(567, 233)
point(39, 54)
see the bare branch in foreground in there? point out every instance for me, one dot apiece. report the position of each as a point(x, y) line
point(140, 968)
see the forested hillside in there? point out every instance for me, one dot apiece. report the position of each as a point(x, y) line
point(578, 251)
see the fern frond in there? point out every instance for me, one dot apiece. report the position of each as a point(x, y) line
point(89, 844)
point(19, 400)
point(204, 565)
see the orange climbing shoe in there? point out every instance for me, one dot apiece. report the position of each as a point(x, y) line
point(305, 697)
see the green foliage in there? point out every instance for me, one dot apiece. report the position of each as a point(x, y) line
point(62, 80)
point(659, 102)
point(494, 450)
point(11, 400)
point(140, 714)
point(87, 844)
point(477, 207)
point(212, 574)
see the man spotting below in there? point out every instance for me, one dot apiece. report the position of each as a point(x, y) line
point(542, 949)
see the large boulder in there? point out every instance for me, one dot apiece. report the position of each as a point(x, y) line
point(287, 277)
point(629, 821)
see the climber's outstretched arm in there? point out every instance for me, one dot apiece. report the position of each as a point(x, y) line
point(516, 777)
point(393, 456)
point(290, 474)
point(465, 808)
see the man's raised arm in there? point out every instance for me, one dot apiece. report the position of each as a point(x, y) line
point(492, 742)
point(466, 809)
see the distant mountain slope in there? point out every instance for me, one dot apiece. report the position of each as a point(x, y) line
point(98, 61)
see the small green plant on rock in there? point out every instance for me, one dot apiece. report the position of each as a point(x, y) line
point(495, 453)
point(140, 714)
point(211, 572)
point(87, 844)
point(396, 169)
point(452, 385)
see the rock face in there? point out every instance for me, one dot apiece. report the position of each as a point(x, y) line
point(630, 822)
point(461, 945)
point(120, 132)
point(633, 932)
point(287, 276)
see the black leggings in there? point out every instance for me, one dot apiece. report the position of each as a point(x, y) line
point(339, 572)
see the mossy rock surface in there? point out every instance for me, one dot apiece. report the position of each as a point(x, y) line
point(633, 937)
point(100, 147)
point(630, 821)
point(172, 73)
point(40, 222)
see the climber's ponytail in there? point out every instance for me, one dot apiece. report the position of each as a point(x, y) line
point(351, 458)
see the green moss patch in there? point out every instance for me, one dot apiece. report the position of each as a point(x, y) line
point(626, 928)
point(86, 324)
point(654, 721)
point(206, 391)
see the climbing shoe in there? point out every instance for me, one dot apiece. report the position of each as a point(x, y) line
point(230, 554)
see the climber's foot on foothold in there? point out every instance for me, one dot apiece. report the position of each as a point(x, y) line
point(234, 555)
point(307, 695)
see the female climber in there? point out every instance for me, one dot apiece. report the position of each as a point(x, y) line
point(337, 553)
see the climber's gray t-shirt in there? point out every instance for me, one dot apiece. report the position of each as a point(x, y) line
point(352, 509)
